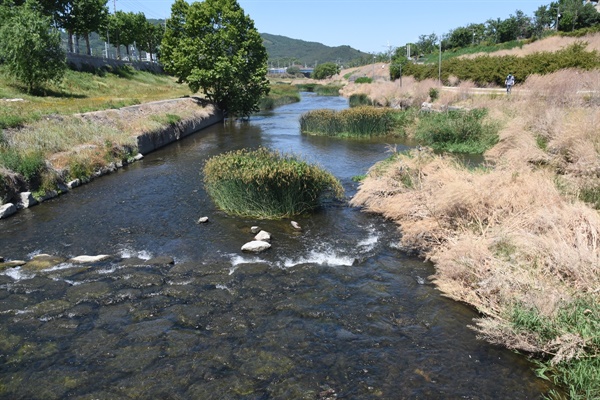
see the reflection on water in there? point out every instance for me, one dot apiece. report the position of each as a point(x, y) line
point(332, 311)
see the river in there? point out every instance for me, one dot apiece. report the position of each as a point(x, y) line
point(332, 311)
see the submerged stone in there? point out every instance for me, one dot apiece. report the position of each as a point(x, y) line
point(12, 264)
point(88, 291)
point(42, 261)
point(163, 260)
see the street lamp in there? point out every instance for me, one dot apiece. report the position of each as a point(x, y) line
point(373, 66)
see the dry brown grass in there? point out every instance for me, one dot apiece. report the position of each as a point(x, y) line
point(63, 139)
point(506, 233)
point(549, 44)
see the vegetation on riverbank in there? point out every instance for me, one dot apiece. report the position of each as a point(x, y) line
point(351, 122)
point(52, 137)
point(518, 236)
point(456, 131)
point(279, 95)
point(81, 92)
point(267, 184)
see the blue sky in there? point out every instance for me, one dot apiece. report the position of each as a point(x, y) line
point(366, 25)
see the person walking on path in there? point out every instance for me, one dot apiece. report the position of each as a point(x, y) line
point(509, 82)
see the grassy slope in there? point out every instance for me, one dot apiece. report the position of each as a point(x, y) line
point(81, 92)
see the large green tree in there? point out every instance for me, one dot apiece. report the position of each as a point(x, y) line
point(325, 70)
point(30, 47)
point(88, 16)
point(213, 46)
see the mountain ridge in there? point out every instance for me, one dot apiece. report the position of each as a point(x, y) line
point(285, 51)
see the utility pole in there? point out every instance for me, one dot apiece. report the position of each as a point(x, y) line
point(557, 17)
point(440, 64)
point(373, 67)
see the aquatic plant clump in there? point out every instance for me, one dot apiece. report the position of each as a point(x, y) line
point(351, 122)
point(264, 183)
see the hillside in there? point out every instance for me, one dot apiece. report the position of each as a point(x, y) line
point(285, 50)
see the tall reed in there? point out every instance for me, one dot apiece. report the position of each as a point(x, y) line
point(267, 184)
point(352, 122)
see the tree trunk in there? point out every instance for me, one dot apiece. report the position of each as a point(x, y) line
point(87, 44)
point(70, 45)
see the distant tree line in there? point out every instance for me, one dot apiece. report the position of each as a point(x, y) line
point(79, 18)
point(558, 16)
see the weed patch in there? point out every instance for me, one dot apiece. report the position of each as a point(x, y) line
point(457, 131)
point(267, 184)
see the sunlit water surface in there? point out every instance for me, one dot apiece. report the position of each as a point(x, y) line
point(333, 311)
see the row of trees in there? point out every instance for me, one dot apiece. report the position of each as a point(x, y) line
point(561, 15)
point(79, 18)
point(212, 46)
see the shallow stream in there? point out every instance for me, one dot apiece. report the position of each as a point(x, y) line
point(333, 311)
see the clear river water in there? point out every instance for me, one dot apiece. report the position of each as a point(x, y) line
point(332, 311)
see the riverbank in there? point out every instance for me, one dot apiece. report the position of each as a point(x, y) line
point(76, 149)
point(517, 237)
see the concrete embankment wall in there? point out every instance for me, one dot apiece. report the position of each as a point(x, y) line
point(147, 143)
point(151, 141)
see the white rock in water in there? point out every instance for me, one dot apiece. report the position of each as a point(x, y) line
point(296, 225)
point(26, 200)
point(89, 259)
point(263, 236)
point(203, 220)
point(256, 246)
point(7, 209)
point(255, 229)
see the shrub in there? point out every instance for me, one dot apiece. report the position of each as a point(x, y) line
point(280, 94)
point(267, 184)
point(29, 165)
point(352, 122)
point(307, 87)
point(328, 90)
point(434, 94)
point(360, 99)
point(325, 70)
point(570, 336)
point(457, 131)
point(363, 79)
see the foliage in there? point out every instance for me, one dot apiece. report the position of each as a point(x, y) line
point(360, 99)
point(279, 94)
point(353, 122)
point(487, 69)
point(85, 17)
point(150, 37)
point(325, 70)
point(434, 93)
point(363, 79)
point(591, 195)
point(307, 87)
point(571, 337)
point(267, 184)
point(30, 48)
point(214, 47)
point(29, 164)
point(328, 90)
point(293, 70)
point(457, 131)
